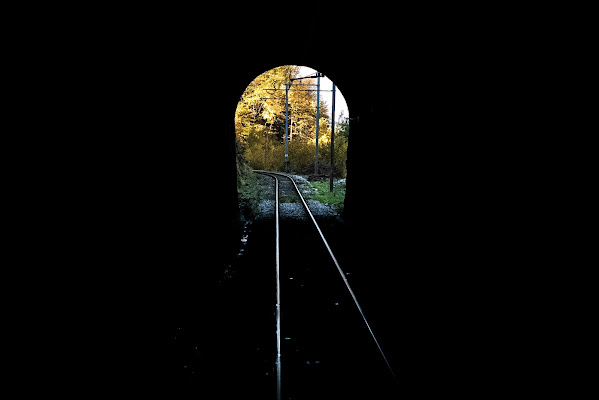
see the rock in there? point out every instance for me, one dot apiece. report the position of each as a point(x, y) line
point(291, 207)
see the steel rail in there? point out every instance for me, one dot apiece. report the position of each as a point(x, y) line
point(278, 309)
point(351, 292)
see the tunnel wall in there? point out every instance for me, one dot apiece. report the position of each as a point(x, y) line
point(426, 189)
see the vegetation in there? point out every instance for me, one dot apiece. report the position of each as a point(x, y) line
point(247, 185)
point(321, 192)
point(260, 135)
point(260, 126)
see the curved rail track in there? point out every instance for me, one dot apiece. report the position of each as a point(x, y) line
point(323, 240)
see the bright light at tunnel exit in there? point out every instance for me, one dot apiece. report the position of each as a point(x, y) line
point(326, 84)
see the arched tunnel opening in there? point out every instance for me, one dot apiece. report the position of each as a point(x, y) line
point(292, 119)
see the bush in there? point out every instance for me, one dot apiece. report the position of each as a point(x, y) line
point(301, 157)
point(247, 185)
point(324, 158)
point(268, 153)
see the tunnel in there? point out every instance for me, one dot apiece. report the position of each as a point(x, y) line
point(429, 208)
point(405, 214)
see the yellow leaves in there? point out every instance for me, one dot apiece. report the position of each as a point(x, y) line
point(263, 106)
point(268, 113)
point(260, 124)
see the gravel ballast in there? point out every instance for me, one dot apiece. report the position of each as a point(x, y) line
point(290, 206)
point(266, 210)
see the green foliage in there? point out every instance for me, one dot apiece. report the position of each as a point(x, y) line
point(339, 167)
point(247, 185)
point(321, 192)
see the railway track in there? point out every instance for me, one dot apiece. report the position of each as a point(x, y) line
point(325, 346)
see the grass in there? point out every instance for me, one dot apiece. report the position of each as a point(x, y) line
point(321, 192)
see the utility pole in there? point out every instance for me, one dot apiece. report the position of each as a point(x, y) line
point(315, 75)
point(287, 125)
point(333, 139)
point(287, 86)
point(317, 124)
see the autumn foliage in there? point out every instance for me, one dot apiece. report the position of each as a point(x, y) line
point(260, 125)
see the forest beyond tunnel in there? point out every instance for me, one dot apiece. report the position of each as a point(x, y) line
point(284, 122)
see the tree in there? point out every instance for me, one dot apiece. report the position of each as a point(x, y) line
point(260, 122)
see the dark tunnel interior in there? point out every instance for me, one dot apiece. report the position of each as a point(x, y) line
point(428, 206)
